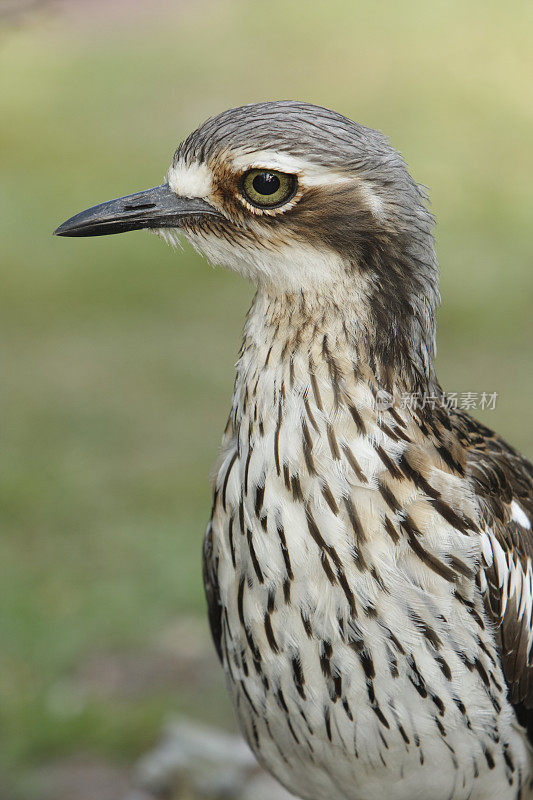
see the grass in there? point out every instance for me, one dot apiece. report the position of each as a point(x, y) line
point(118, 353)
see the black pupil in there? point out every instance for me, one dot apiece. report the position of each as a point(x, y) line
point(266, 183)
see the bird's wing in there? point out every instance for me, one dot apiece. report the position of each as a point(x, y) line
point(503, 482)
point(212, 593)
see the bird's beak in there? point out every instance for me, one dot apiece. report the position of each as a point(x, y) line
point(159, 207)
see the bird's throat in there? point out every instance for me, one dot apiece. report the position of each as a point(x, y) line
point(305, 342)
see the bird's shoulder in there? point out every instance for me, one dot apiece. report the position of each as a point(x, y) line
point(502, 481)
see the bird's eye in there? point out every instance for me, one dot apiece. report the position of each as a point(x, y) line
point(266, 188)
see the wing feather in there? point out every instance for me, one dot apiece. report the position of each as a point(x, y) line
point(503, 483)
point(212, 592)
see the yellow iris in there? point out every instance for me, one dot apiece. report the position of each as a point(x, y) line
point(268, 188)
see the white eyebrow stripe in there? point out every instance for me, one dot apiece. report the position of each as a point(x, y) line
point(190, 180)
point(310, 174)
point(374, 200)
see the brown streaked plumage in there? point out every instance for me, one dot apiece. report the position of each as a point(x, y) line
point(367, 565)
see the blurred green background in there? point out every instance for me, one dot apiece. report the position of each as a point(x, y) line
point(118, 352)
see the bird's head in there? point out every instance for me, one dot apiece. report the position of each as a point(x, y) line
point(297, 198)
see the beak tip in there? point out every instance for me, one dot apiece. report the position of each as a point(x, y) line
point(65, 229)
point(73, 229)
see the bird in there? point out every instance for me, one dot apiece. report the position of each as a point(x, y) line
point(367, 564)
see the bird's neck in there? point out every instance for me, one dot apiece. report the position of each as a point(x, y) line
point(318, 334)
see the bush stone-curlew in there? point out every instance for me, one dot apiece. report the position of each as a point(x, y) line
point(368, 563)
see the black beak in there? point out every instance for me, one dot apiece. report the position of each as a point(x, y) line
point(159, 207)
